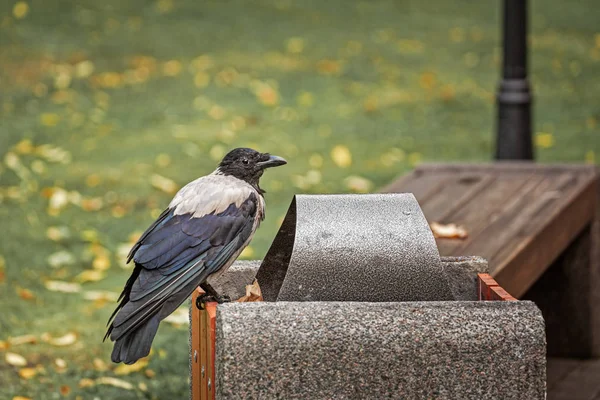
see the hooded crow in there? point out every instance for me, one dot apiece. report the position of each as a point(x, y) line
point(200, 234)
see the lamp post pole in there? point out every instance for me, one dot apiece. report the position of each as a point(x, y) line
point(513, 139)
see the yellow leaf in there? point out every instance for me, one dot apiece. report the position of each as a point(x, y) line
point(24, 147)
point(358, 184)
point(100, 365)
point(101, 263)
point(125, 369)
point(100, 295)
point(108, 380)
point(27, 373)
point(20, 9)
point(84, 69)
point(3, 345)
point(162, 183)
point(57, 233)
point(66, 340)
point(60, 363)
point(21, 398)
point(49, 119)
point(86, 382)
point(15, 359)
point(93, 180)
point(590, 157)
point(267, 95)
point(172, 68)
point(341, 156)
point(90, 275)
point(247, 253)
point(544, 140)
point(25, 339)
point(64, 287)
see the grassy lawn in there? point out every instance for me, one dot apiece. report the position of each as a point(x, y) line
point(108, 107)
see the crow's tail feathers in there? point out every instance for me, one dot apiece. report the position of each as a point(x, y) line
point(134, 345)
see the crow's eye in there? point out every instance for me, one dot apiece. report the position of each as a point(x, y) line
point(245, 161)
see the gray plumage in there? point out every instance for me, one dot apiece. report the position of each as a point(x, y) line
point(199, 235)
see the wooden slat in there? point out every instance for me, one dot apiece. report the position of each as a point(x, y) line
point(529, 260)
point(496, 227)
point(203, 356)
point(195, 347)
point(211, 314)
point(458, 190)
point(422, 186)
point(482, 208)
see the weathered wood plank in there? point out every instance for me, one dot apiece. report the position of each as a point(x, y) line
point(481, 210)
point(519, 271)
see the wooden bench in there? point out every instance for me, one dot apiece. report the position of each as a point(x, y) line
point(537, 225)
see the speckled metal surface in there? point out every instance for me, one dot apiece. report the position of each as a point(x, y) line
point(373, 247)
point(350, 350)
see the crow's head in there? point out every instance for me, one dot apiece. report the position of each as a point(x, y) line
point(248, 164)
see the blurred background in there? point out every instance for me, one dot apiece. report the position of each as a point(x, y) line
point(108, 108)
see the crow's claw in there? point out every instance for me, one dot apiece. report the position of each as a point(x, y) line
point(202, 300)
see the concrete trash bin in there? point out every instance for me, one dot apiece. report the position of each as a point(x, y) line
point(431, 340)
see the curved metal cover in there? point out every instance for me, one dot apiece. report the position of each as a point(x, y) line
point(373, 247)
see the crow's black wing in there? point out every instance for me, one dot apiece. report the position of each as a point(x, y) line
point(175, 255)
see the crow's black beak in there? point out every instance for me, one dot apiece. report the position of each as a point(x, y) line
point(273, 161)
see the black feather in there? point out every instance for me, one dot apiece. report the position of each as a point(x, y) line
point(175, 255)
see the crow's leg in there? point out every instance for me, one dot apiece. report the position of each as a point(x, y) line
point(210, 295)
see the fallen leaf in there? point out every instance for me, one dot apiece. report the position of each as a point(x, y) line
point(341, 156)
point(90, 275)
point(100, 295)
point(448, 231)
point(253, 293)
point(125, 369)
point(25, 294)
point(99, 365)
point(15, 359)
point(20, 9)
point(65, 390)
point(49, 119)
point(150, 373)
point(21, 398)
point(60, 363)
point(86, 382)
point(358, 184)
point(165, 184)
point(108, 380)
point(60, 286)
point(66, 340)
point(3, 345)
point(25, 339)
point(101, 263)
point(60, 259)
point(58, 233)
point(27, 373)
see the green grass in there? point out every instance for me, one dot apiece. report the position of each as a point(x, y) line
point(396, 82)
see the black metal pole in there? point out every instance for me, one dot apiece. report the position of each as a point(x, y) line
point(513, 140)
